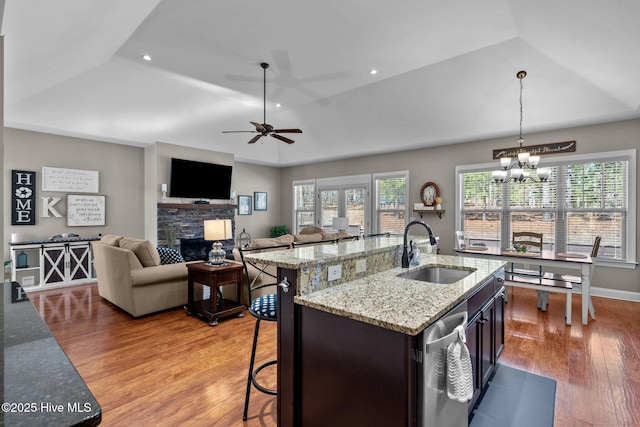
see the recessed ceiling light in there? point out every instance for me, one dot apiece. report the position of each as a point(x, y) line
point(146, 57)
point(373, 71)
point(278, 105)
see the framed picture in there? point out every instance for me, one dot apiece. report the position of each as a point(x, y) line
point(260, 201)
point(85, 210)
point(244, 205)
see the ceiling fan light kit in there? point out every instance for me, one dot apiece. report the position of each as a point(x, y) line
point(265, 129)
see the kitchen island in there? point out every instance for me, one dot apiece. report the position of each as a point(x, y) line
point(348, 348)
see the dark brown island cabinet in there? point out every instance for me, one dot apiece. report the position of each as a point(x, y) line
point(335, 371)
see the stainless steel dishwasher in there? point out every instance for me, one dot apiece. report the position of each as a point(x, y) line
point(435, 407)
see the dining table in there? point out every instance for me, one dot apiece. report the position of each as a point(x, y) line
point(544, 258)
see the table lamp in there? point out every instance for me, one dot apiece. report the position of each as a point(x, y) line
point(340, 223)
point(217, 229)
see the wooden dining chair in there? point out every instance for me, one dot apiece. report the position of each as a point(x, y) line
point(530, 238)
point(577, 280)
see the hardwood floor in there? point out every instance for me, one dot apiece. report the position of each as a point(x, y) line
point(168, 369)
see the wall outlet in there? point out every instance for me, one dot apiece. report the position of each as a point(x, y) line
point(361, 266)
point(335, 272)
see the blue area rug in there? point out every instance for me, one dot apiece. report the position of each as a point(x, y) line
point(516, 398)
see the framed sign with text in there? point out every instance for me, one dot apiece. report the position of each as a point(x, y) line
point(85, 210)
point(23, 197)
point(537, 150)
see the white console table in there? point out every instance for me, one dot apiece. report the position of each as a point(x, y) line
point(45, 264)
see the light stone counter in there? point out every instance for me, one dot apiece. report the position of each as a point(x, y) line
point(377, 296)
point(307, 256)
point(402, 305)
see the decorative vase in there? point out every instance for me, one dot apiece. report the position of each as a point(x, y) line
point(438, 207)
point(22, 261)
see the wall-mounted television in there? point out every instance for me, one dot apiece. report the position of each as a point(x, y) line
point(199, 180)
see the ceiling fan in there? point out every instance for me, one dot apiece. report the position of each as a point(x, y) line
point(265, 129)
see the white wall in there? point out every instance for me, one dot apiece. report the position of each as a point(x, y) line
point(130, 178)
point(438, 164)
point(120, 169)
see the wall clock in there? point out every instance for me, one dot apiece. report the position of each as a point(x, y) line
point(428, 193)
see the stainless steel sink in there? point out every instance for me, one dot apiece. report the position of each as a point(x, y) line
point(442, 275)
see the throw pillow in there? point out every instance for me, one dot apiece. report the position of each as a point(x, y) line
point(308, 237)
point(285, 239)
point(144, 250)
point(111, 239)
point(169, 256)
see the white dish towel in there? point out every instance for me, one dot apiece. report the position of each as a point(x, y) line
point(459, 371)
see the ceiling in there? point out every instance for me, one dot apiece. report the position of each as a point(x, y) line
point(446, 71)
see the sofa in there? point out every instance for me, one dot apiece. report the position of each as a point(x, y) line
point(132, 275)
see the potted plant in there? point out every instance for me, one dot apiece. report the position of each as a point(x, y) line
point(279, 230)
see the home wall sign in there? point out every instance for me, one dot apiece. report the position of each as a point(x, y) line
point(85, 210)
point(537, 150)
point(69, 180)
point(23, 197)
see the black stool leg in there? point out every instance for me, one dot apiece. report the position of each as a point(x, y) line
point(253, 356)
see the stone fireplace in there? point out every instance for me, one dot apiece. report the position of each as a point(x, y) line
point(187, 221)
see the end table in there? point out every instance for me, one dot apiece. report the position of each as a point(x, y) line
point(214, 308)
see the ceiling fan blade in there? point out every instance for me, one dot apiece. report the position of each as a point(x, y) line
point(286, 131)
point(258, 126)
point(254, 139)
point(282, 138)
point(239, 131)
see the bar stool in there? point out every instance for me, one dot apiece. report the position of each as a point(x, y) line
point(264, 307)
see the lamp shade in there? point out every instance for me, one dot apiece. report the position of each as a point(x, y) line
point(217, 229)
point(340, 223)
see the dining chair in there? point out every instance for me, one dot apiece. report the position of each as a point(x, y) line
point(535, 240)
point(577, 280)
point(459, 240)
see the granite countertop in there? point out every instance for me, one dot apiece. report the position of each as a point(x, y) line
point(41, 385)
point(306, 256)
point(399, 304)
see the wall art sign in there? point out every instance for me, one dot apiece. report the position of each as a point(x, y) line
point(259, 201)
point(23, 197)
point(244, 205)
point(84, 210)
point(537, 150)
point(69, 180)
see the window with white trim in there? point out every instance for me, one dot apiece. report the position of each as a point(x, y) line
point(586, 196)
point(391, 210)
point(303, 204)
point(388, 206)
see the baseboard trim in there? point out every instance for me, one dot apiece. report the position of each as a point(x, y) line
point(610, 293)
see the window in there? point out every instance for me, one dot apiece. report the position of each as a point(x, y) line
point(303, 204)
point(316, 202)
point(391, 202)
point(585, 197)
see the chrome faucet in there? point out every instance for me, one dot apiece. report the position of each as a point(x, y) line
point(407, 254)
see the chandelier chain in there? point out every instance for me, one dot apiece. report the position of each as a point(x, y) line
point(521, 111)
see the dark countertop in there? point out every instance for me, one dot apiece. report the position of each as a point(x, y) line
point(41, 387)
point(55, 240)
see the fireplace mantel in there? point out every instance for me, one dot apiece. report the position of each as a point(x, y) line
point(196, 206)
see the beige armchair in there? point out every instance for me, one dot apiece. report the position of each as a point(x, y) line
point(131, 277)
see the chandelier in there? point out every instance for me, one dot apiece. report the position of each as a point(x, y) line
point(525, 163)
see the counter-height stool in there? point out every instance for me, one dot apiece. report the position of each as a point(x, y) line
point(261, 306)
